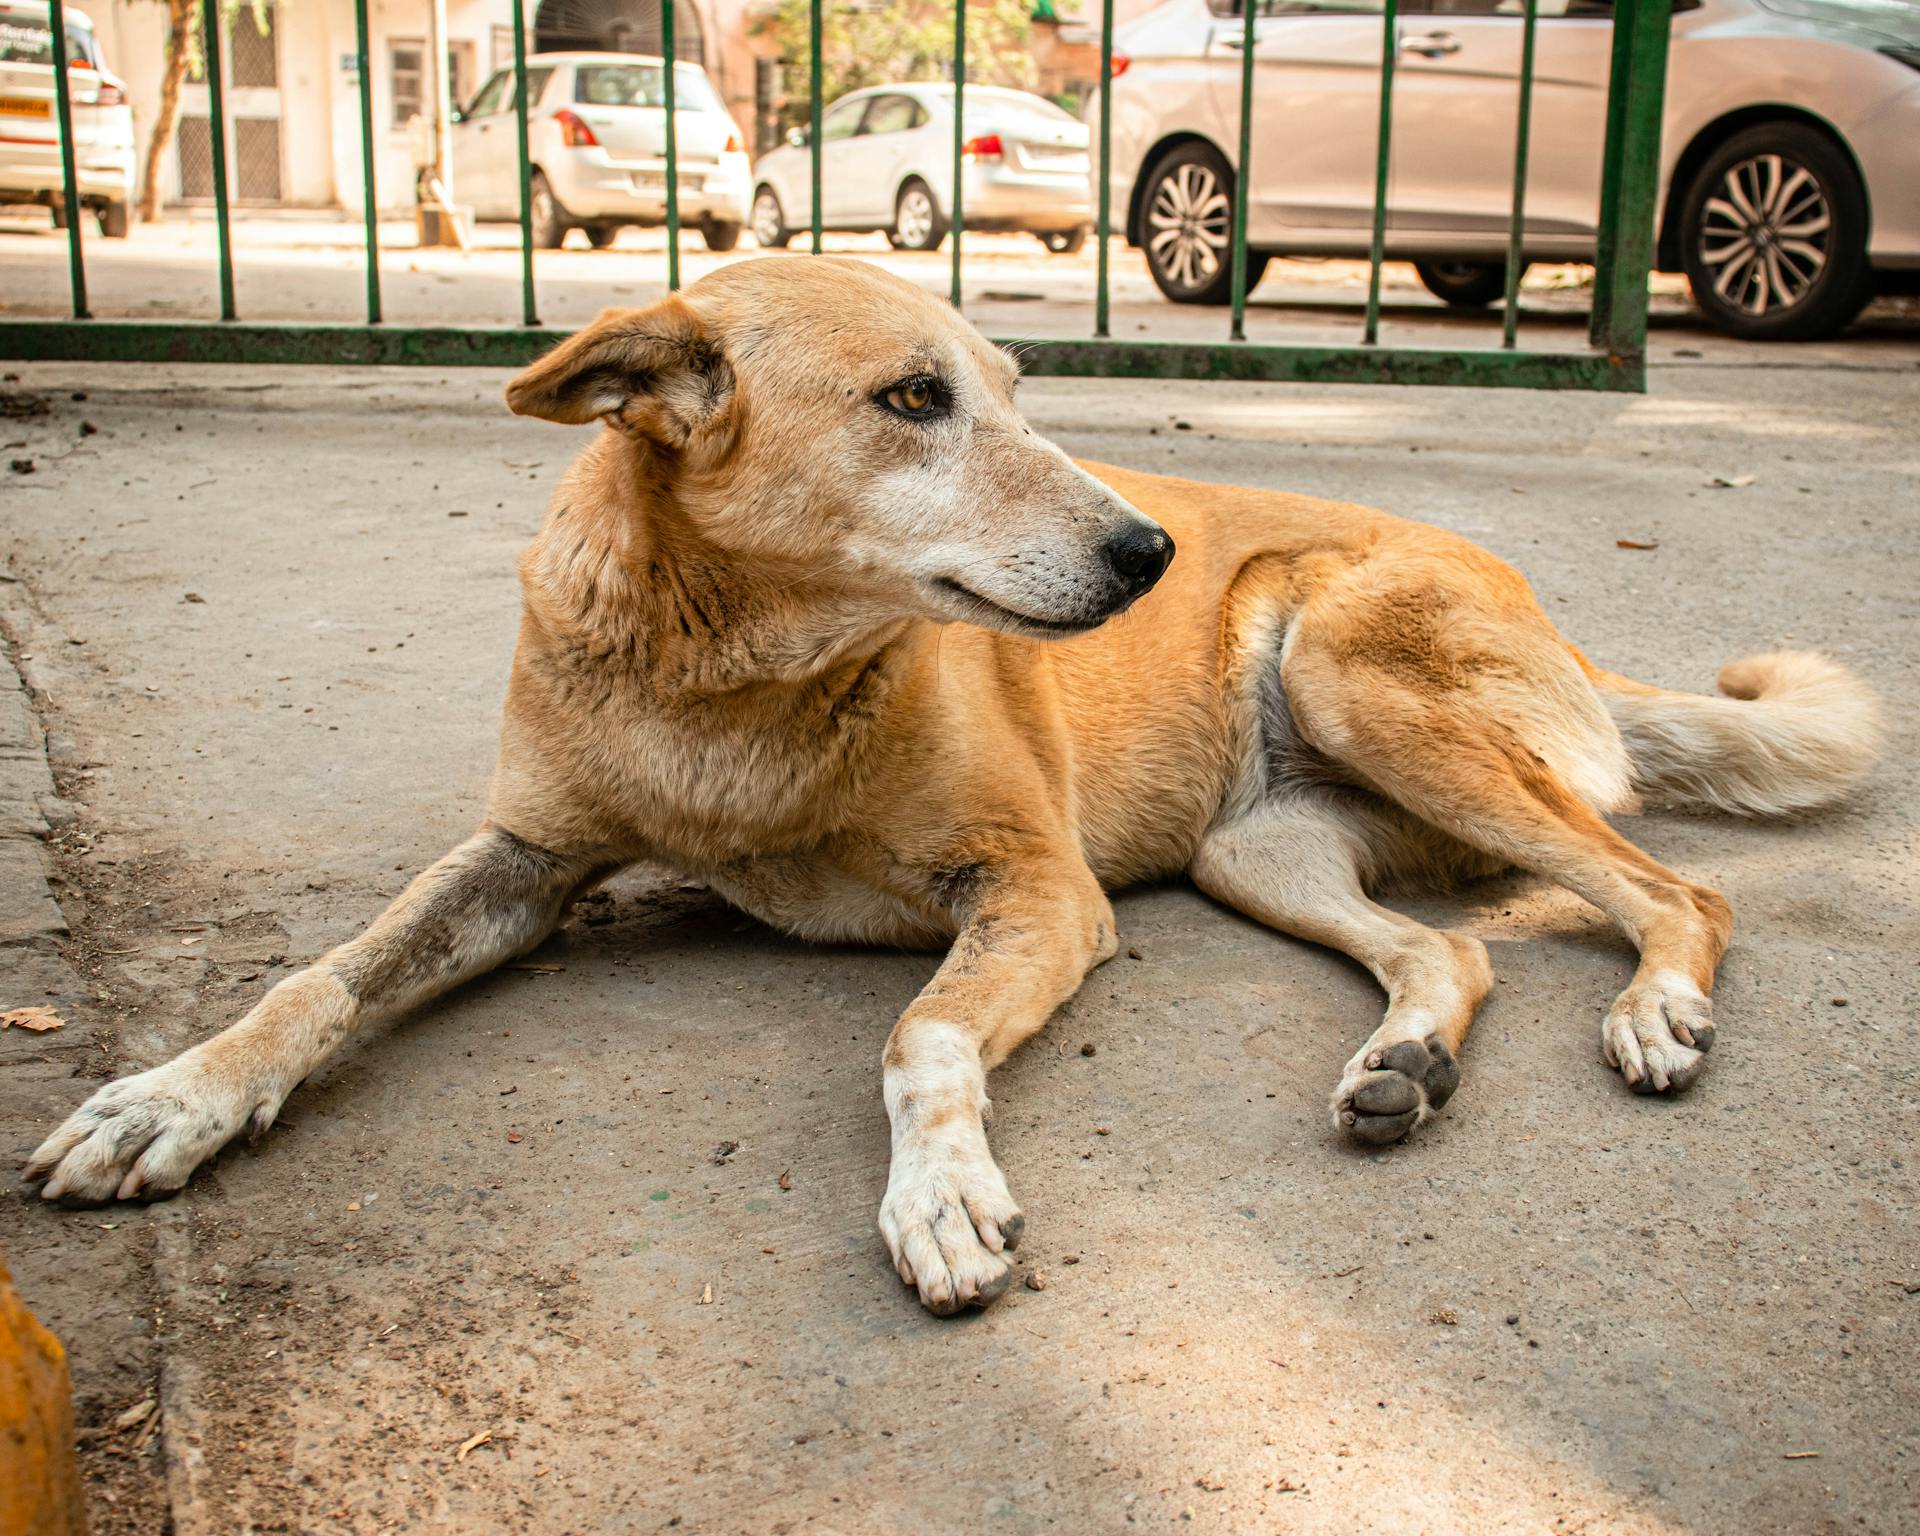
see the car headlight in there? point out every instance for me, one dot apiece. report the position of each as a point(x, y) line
point(1910, 56)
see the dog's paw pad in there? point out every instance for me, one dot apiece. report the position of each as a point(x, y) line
point(1388, 1090)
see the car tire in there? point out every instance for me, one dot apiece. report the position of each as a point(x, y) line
point(116, 220)
point(1186, 227)
point(918, 223)
point(1773, 235)
point(1065, 242)
point(59, 212)
point(550, 221)
point(1465, 284)
point(600, 236)
point(720, 234)
point(769, 220)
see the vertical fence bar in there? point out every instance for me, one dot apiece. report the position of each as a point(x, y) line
point(1249, 11)
point(217, 133)
point(1103, 227)
point(529, 314)
point(1521, 139)
point(1389, 51)
point(959, 138)
point(673, 151)
point(363, 61)
point(813, 115)
point(1630, 180)
point(69, 177)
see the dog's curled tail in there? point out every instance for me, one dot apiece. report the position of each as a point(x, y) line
point(1795, 731)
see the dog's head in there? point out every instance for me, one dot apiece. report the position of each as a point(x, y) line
point(820, 413)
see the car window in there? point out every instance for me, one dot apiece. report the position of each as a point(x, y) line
point(893, 114)
point(536, 83)
point(26, 37)
point(644, 85)
point(492, 97)
point(841, 119)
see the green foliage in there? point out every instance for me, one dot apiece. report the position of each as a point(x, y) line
point(886, 42)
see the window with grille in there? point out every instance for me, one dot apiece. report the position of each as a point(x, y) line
point(408, 72)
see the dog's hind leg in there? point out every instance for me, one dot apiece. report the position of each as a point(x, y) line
point(1295, 863)
point(493, 897)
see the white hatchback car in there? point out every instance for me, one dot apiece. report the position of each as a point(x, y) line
point(30, 170)
point(597, 144)
point(1790, 159)
point(886, 163)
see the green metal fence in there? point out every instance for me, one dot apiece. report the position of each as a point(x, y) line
point(1615, 360)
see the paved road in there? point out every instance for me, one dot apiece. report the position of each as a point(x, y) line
point(1562, 1308)
point(312, 268)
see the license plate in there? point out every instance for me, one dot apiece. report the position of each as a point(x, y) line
point(1054, 152)
point(25, 106)
point(649, 181)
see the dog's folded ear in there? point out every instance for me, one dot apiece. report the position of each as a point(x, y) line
point(654, 372)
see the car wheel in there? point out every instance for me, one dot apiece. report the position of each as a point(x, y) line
point(1065, 242)
point(1773, 234)
point(600, 236)
point(918, 224)
point(720, 234)
point(770, 229)
point(1188, 227)
point(116, 220)
point(1465, 284)
point(550, 222)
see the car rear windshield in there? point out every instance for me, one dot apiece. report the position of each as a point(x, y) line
point(26, 37)
point(645, 85)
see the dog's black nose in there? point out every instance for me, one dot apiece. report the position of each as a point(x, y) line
point(1139, 557)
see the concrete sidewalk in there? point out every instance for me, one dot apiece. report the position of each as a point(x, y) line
point(617, 1211)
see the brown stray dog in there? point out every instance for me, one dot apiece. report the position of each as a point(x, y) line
point(818, 619)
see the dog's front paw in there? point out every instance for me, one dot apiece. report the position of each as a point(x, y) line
point(1657, 1034)
point(947, 1218)
point(1389, 1089)
point(144, 1135)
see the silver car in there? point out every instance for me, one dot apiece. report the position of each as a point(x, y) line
point(597, 144)
point(886, 163)
point(1790, 158)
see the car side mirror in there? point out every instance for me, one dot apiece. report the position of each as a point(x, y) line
point(797, 137)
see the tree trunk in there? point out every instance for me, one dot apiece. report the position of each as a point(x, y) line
point(181, 16)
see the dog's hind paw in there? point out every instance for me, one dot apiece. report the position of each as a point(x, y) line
point(947, 1221)
point(1389, 1089)
point(1657, 1034)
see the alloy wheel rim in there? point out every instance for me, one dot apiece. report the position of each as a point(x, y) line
point(1765, 235)
point(766, 219)
point(916, 218)
point(1189, 220)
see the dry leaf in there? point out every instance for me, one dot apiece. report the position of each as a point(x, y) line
point(472, 1445)
point(786, 1179)
point(706, 1295)
point(38, 1020)
point(513, 1136)
point(1636, 543)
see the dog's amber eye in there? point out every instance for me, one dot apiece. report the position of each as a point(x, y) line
point(916, 397)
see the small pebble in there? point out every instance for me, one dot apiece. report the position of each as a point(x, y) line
point(1036, 1280)
point(1087, 1049)
point(1133, 954)
point(1513, 1319)
point(1839, 1002)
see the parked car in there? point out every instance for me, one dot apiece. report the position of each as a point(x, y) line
point(30, 170)
point(1790, 158)
point(597, 144)
point(886, 163)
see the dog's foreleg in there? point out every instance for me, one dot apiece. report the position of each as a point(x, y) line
point(947, 1216)
point(493, 897)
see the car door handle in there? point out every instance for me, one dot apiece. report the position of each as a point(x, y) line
point(1431, 45)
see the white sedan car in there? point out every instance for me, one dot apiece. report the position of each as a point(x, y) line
point(1789, 167)
point(886, 158)
point(30, 170)
point(597, 144)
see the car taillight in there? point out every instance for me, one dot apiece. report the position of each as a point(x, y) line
point(986, 147)
point(734, 146)
point(110, 96)
point(1121, 64)
point(574, 133)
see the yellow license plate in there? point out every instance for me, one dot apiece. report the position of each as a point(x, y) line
point(25, 106)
